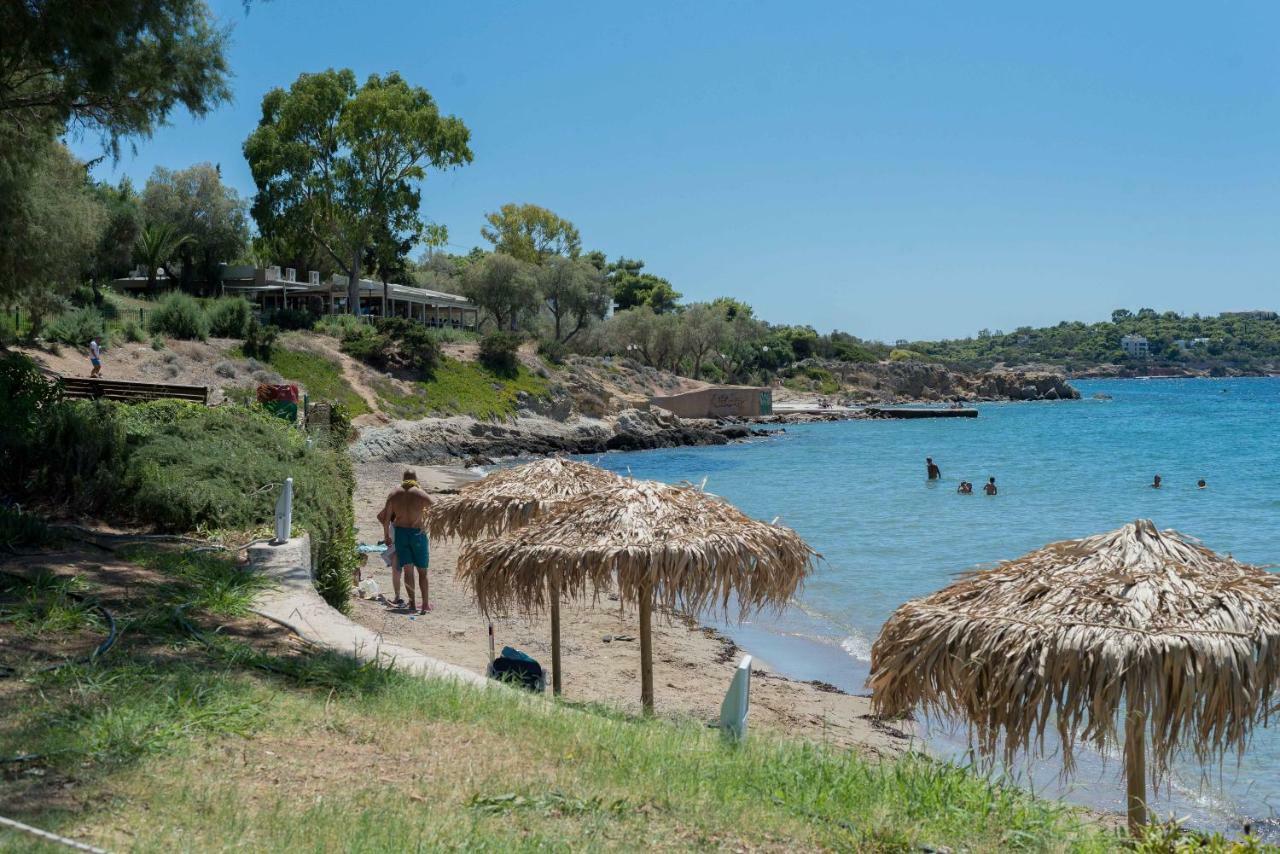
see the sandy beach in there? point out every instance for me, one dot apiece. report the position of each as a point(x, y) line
point(601, 658)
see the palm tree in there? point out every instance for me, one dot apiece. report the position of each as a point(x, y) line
point(157, 243)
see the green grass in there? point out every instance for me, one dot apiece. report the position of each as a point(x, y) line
point(46, 603)
point(461, 388)
point(319, 375)
point(207, 580)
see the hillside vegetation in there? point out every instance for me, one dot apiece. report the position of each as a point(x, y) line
point(1241, 341)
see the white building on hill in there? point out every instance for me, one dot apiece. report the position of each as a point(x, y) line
point(1135, 346)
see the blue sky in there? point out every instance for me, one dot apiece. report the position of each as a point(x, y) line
point(894, 170)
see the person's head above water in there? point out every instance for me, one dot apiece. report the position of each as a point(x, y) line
point(1201, 484)
point(991, 480)
point(1156, 482)
point(928, 459)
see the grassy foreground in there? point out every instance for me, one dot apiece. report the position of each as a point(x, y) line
point(241, 740)
point(461, 388)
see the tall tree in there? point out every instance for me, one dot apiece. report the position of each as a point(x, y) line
point(503, 287)
point(704, 330)
point(115, 66)
point(531, 233)
point(574, 293)
point(195, 203)
point(338, 165)
point(633, 288)
point(639, 332)
point(156, 246)
point(114, 252)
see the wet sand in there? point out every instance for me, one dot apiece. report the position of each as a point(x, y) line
point(693, 665)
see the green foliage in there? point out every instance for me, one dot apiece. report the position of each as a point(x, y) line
point(899, 354)
point(552, 351)
point(499, 352)
point(461, 388)
point(339, 325)
point(259, 340)
point(530, 233)
point(183, 467)
point(27, 397)
point(633, 288)
point(574, 293)
point(179, 316)
point(205, 580)
point(156, 245)
point(24, 529)
point(76, 328)
point(291, 319)
point(505, 289)
point(393, 343)
point(337, 165)
point(131, 330)
point(194, 202)
point(229, 317)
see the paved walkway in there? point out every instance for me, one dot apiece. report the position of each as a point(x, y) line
point(295, 604)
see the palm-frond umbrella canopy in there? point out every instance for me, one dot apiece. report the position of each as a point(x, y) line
point(675, 546)
point(512, 497)
point(1150, 624)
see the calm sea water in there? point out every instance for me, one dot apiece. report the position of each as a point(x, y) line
point(857, 492)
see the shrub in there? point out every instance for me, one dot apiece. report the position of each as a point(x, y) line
point(393, 343)
point(498, 353)
point(900, 355)
point(229, 317)
point(26, 398)
point(179, 316)
point(259, 340)
point(338, 325)
point(183, 467)
point(292, 319)
point(77, 327)
point(82, 296)
point(552, 350)
point(132, 332)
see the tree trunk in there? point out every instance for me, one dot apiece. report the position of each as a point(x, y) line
point(646, 649)
point(1135, 766)
point(353, 282)
point(554, 585)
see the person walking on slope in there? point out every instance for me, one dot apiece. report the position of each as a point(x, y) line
point(95, 358)
point(405, 507)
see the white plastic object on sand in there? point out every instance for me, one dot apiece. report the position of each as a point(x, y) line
point(737, 703)
point(368, 589)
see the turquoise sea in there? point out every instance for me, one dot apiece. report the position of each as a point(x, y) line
point(857, 492)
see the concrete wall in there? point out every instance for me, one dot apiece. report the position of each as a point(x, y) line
point(719, 402)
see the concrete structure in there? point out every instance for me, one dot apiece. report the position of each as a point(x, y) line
point(718, 402)
point(1135, 346)
point(294, 603)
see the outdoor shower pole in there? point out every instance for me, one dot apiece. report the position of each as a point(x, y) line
point(646, 648)
point(554, 584)
point(1135, 767)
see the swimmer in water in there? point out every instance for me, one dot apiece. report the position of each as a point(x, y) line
point(932, 469)
point(1200, 484)
point(990, 488)
point(1155, 484)
point(965, 488)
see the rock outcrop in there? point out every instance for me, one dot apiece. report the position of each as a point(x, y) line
point(438, 441)
point(910, 381)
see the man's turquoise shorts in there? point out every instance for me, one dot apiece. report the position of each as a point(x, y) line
point(412, 548)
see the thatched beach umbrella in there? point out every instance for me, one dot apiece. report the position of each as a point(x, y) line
point(512, 497)
point(668, 545)
point(1148, 624)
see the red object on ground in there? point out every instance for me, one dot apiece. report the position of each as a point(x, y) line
point(278, 393)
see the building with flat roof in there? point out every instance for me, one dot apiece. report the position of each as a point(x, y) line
point(1135, 346)
point(274, 287)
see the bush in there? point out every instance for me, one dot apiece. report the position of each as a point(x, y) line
point(339, 325)
point(82, 296)
point(26, 398)
point(132, 331)
point(292, 319)
point(259, 340)
point(183, 467)
point(77, 327)
point(179, 316)
point(229, 317)
point(498, 353)
point(553, 351)
point(900, 355)
point(393, 343)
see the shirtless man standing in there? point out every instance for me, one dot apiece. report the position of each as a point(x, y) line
point(405, 508)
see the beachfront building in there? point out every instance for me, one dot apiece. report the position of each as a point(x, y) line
point(270, 288)
point(1135, 346)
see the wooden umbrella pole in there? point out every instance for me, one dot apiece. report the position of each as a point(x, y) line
point(646, 649)
point(1135, 766)
point(554, 583)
